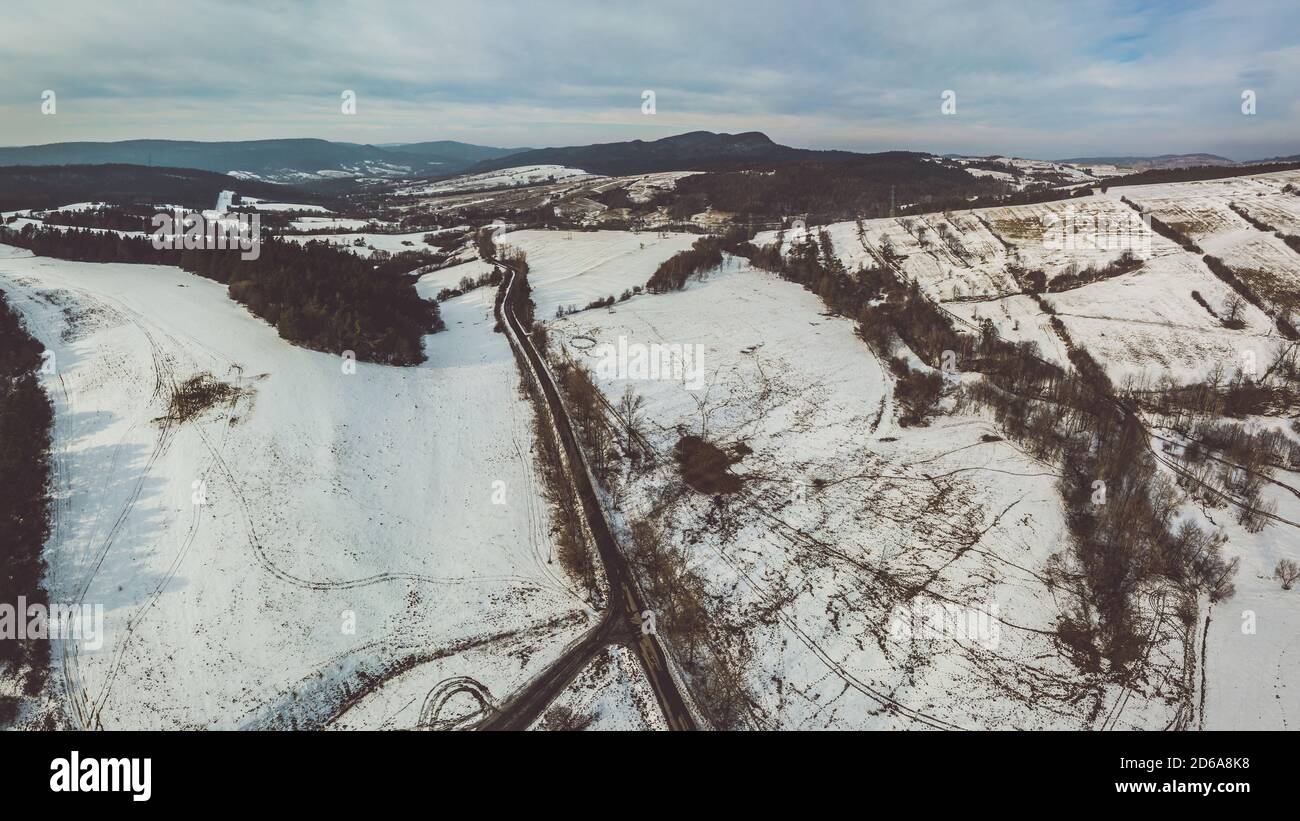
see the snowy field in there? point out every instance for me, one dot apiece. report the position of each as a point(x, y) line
point(1145, 324)
point(610, 694)
point(505, 178)
point(848, 527)
point(372, 550)
point(1028, 171)
point(285, 206)
point(369, 243)
point(645, 187)
point(577, 267)
point(267, 563)
point(1249, 644)
point(1201, 208)
point(332, 223)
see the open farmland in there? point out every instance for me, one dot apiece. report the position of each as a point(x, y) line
point(328, 525)
point(847, 531)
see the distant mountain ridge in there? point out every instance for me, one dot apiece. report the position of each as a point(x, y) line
point(1158, 161)
point(46, 186)
point(324, 164)
point(289, 160)
point(693, 151)
point(450, 152)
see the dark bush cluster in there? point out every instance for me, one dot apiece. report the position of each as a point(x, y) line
point(672, 274)
point(26, 417)
point(316, 294)
point(1126, 263)
point(1076, 418)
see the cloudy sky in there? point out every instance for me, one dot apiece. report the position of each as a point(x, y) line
point(1044, 79)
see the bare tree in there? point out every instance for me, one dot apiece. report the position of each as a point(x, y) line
point(1232, 308)
point(887, 249)
point(631, 413)
point(1287, 572)
point(702, 406)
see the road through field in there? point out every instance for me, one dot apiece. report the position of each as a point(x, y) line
point(623, 621)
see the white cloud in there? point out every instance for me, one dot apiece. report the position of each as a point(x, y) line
point(1048, 81)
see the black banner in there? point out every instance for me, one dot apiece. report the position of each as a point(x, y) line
point(142, 771)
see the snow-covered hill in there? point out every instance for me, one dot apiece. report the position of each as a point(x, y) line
point(265, 563)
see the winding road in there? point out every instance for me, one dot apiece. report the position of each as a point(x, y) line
point(622, 623)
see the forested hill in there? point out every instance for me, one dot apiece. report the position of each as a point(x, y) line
point(317, 295)
point(695, 151)
point(50, 186)
point(861, 187)
point(283, 160)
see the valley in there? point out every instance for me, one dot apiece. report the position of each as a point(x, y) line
point(352, 545)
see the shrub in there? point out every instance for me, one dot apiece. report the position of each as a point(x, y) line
point(672, 273)
point(705, 466)
point(919, 392)
point(8, 711)
point(1287, 572)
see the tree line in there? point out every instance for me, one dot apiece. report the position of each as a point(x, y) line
point(1198, 172)
point(26, 419)
point(671, 275)
point(50, 186)
point(137, 218)
point(316, 295)
point(1076, 418)
point(880, 185)
point(1221, 269)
